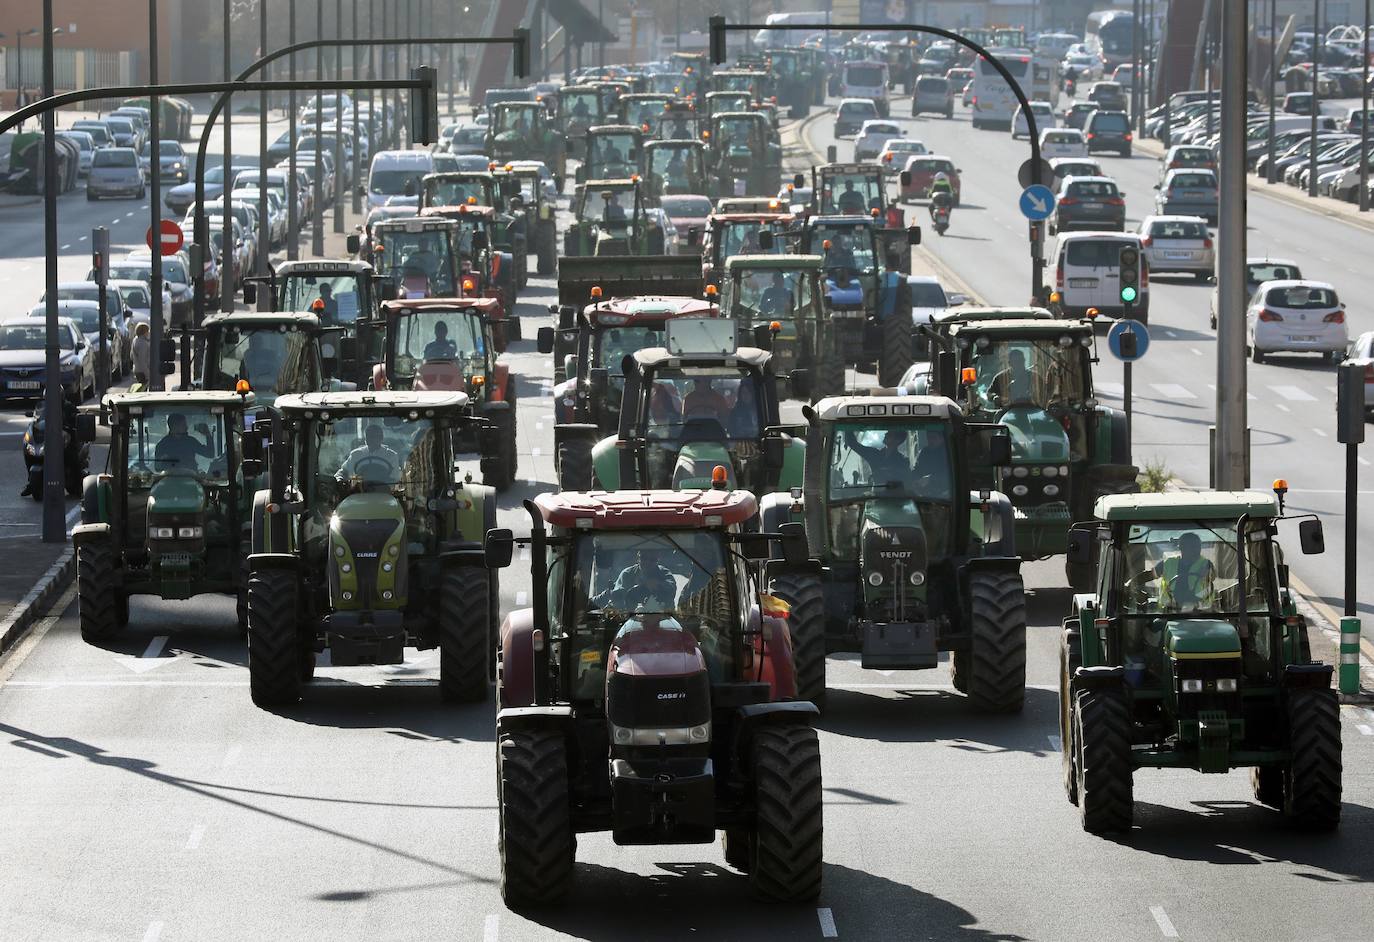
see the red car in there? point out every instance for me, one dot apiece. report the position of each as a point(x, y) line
point(920, 173)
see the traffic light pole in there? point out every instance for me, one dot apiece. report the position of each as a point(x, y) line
point(1350, 421)
point(100, 260)
point(1230, 458)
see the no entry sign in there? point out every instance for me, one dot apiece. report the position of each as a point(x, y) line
point(170, 238)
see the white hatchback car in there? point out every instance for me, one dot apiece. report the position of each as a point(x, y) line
point(873, 137)
point(1044, 118)
point(1178, 244)
point(1063, 142)
point(1297, 316)
point(894, 155)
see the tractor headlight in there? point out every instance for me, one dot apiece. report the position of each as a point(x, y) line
point(875, 578)
point(162, 533)
point(1063, 470)
point(1020, 471)
point(1191, 685)
point(346, 567)
point(1019, 490)
point(339, 551)
point(1227, 685)
point(190, 533)
point(918, 578)
point(1050, 471)
point(655, 736)
point(1051, 490)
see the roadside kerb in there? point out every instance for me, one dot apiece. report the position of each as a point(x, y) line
point(32, 606)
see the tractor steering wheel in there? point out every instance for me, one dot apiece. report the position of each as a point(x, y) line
point(360, 469)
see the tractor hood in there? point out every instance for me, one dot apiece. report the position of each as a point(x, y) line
point(892, 545)
point(1036, 436)
point(656, 679)
point(1202, 638)
point(177, 494)
point(367, 565)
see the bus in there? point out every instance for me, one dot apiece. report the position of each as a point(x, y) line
point(1109, 35)
point(993, 102)
point(773, 38)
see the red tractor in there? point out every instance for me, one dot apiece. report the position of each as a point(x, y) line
point(650, 691)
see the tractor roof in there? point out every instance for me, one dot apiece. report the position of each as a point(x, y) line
point(312, 265)
point(379, 401)
point(473, 305)
point(649, 307)
point(620, 183)
point(215, 398)
point(298, 320)
point(429, 222)
point(614, 129)
point(1023, 326)
point(841, 408)
point(848, 219)
point(752, 115)
point(780, 262)
point(657, 357)
point(1187, 505)
point(959, 315)
point(772, 215)
point(452, 212)
point(865, 170)
point(617, 510)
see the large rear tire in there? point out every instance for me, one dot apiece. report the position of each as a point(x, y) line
point(535, 818)
point(1102, 741)
point(1312, 780)
point(547, 259)
point(464, 634)
point(499, 470)
point(1266, 782)
point(275, 647)
point(897, 354)
point(1069, 657)
point(997, 610)
point(95, 591)
point(806, 623)
point(785, 853)
point(829, 378)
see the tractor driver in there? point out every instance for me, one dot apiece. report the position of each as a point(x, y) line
point(614, 212)
point(886, 465)
point(1015, 383)
point(580, 109)
point(838, 254)
point(776, 299)
point(704, 401)
point(178, 450)
point(423, 259)
point(1188, 580)
point(260, 362)
point(373, 461)
point(329, 305)
point(441, 347)
point(851, 201)
point(645, 586)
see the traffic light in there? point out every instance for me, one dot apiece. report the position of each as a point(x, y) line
point(717, 28)
point(424, 106)
point(1350, 404)
point(521, 52)
point(1128, 266)
point(100, 253)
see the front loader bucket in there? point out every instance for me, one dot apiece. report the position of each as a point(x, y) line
point(627, 276)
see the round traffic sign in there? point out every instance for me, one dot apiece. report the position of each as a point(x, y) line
point(1023, 175)
point(170, 237)
point(1037, 202)
point(1120, 329)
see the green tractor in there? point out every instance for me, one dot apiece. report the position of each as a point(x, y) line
point(777, 303)
point(365, 541)
point(541, 213)
point(695, 412)
point(1190, 654)
point(276, 353)
point(579, 107)
point(1034, 376)
point(742, 156)
point(917, 560)
point(614, 151)
point(795, 80)
point(611, 218)
point(169, 517)
point(523, 130)
point(674, 167)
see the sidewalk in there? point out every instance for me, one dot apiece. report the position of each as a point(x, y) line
point(35, 573)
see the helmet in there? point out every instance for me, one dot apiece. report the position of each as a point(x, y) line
point(941, 177)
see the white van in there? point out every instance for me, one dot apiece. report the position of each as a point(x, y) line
point(866, 79)
point(1087, 274)
point(391, 169)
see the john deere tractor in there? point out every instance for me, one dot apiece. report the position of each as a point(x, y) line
point(742, 157)
point(614, 151)
point(579, 107)
point(611, 218)
point(916, 559)
point(776, 301)
point(366, 542)
point(523, 130)
point(169, 517)
point(649, 692)
point(1191, 655)
point(694, 410)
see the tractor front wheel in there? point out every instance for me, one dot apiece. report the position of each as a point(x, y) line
point(785, 847)
point(547, 257)
point(535, 817)
point(95, 590)
point(1069, 657)
point(274, 643)
point(896, 356)
point(499, 470)
point(996, 675)
point(1312, 779)
point(464, 634)
point(829, 378)
point(1266, 782)
point(1102, 760)
point(575, 466)
point(806, 622)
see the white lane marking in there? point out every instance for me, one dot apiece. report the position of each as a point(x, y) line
point(155, 647)
point(1331, 389)
point(1169, 333)
point(129, 214)
point(1364, 461)
point(231, 757)
point(1172, 391)
point(539, 426)
point(827, 921)
point(1195, 351)
point(1365, 730)
point(1166, 926)
point(522, 598)
point(154, 932)
point(1294, 393)
point(83, 238)
point(67, 246)
point(1319, 432)
point(1115, 390)
point(1056, 742)
point(197, 833)
point(1281, 407)
point(535, 452)
point(491, 928)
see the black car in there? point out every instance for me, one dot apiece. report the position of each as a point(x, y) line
point(1077, 114)
point(1089, 203)
point(1108, 130)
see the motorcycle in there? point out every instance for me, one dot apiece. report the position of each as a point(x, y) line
point(940, 217)
point(76, 461)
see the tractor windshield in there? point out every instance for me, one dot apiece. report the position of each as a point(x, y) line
point(618, 582)
point(179, 440)
point(694, 403)
point(520, 119)
point(613, 156)
point(350, 454)
point(420, 261)
point(647, 113)
point(741, 237)
point(274, 360)
point(739, 135)
point(456, 190)
point(905, 463)
point(299, 292)
point(426, 336)
point(613, 208)
point(611, 345)
point(851, 248)
point(1047, 373)
point(762, 293)
point(581, 107)
point(738, 83)
point(851, 193)
point(677, 166)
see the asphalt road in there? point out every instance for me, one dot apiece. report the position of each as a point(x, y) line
point(142, 796)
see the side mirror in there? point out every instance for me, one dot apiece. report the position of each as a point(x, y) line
point(799, 180)
point(250, 293)
point(795, 551)
point(597, 380)
point(251, 446)
point(387, 290)
point(800, 381)
point(774, 450)
point(500, 545)
point(167, 355)
point(752, 545)
point(1310, 537)
point(913, 235)
point(330, 365)
point(831, 154)
point(544, 340)
point(905, 177)
point(85, 426)
point(1080, 546)
point(766, 240)
point(999, 449)
point(353, 243)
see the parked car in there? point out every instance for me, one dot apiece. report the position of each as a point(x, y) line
point(1088, 203)
point(138, 300)
point(86, 316)
point(1062, 142)
point(928, 298)
point(86, 143)
point(116, 311)
point(1088, 274)
point(934, 95)
point(98, 130)
point(1044, 119)
point(1297, 316)
point(1108, 130)
point(23, 360)
point(1188, 193)
point(873, 137)
point(180, 197)
point(1178, 244)
point(115, 172)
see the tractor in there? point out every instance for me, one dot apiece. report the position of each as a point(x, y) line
point(1190, 654)
point(853, 190)
point(169, 517)
point(795, 80)
point(916, 559)
point(721, 102)
point(646, 111)
point(587, 401)
point(674, 167)
point(776, 302)
point(649, 692)
point(742, 155)
point(579, 107)
point(614, 151)
point(523, 130)
point(366, 541)
point(697, 409)
point(741, 233)
point(484, 270)
point(756, 83)
point(1035, 378)
point(611, 218)
point(276, 353)
point(445, 193)
point(541, 213)
point(418, 255)
point(447, 345)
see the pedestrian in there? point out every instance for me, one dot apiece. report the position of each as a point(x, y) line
point(142, 349)
point(463, 70)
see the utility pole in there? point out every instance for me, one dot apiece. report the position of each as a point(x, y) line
point(1230, 460)
point(1137, 15)
point(1364, 112)
point(228, 247)
point(1273, 83)
point(317, 218)
point(54, 471)
point(339, 123)
point(158, 317)
point(293, 220)
point(357, 138)
point(1316, 96)
point(264, 225)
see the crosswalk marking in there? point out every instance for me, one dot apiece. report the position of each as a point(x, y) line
point(1172, 391)
point(1294, 394)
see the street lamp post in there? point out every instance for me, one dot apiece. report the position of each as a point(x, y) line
point(1316, 96)
point(1273, 83)
point(228, 245)
point(158, 316)
point(317, 218)
point(1364, 112)
point(338, 122)
point(357, 138)
point(54, 504)
point(293, 223)
point(264, 225)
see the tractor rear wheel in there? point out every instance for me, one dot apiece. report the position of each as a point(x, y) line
point(1069, 657)
point(241, 598)
point(735, 843)
point(547, 259)
point(1102, 746)
point(829, 379)
point(896, 356)
point(499, 470)
point(274, 643)
point(535, 817)
point(575, 466)
point(464, 635)
point(1266, 781)
point(785, 850)
point(806, 623)
point(95, 590)
point(1312, 779)
point(997, 663)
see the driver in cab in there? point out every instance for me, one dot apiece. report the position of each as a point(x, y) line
point(838, 254)
point(1014, 384)
point(851, 201)
point(178, 450)
point(704, 401)
point(776, 299)
point(373, 461)
point(1188, 580)
point(441, 347)
point(646, 585)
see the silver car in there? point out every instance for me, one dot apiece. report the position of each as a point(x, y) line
point(115, 172)
point(86, 316)
point(1178, 244)
point(83, 140)
point(23, 361)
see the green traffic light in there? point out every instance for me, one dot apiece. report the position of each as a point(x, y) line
point(1128, 294)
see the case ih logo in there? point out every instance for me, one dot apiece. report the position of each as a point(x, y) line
point(672, 696)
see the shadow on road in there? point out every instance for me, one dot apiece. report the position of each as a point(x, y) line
point(405, 706)
point(921, 714)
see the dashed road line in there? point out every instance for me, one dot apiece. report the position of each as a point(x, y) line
point(1319, 432)
point(197, 833)
point(491, 928)
point(1166, 925)
point(153, 933)
point(1365, 730)
point(1195, 351)
point(827, 921)
point(67, 246)
point(155, 647)
point(231, 757)
point(1281, 407)
point(1294, 393)
point(1172, 391)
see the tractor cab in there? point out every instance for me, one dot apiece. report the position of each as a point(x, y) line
point(742, 155)
point(719, 102)
point(681, 121)
point(741, 233)
point(776, 302)
point(1190, 653)
point(646, 110)
point(794, 78)
point(611, 219)
point(613, 151)
point(673, 167)
point(418, 255)
point(456, 187)
point(510, 214)
point(274, 353)
point(579, 107)
point(518, 127)
point(752, 82)
point(484, 270)
point(611, 92)
point(343, 295)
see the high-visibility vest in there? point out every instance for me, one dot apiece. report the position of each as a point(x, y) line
point(1193, 580)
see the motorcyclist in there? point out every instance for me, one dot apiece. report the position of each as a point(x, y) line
point(941, 195)
point(68, 428)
